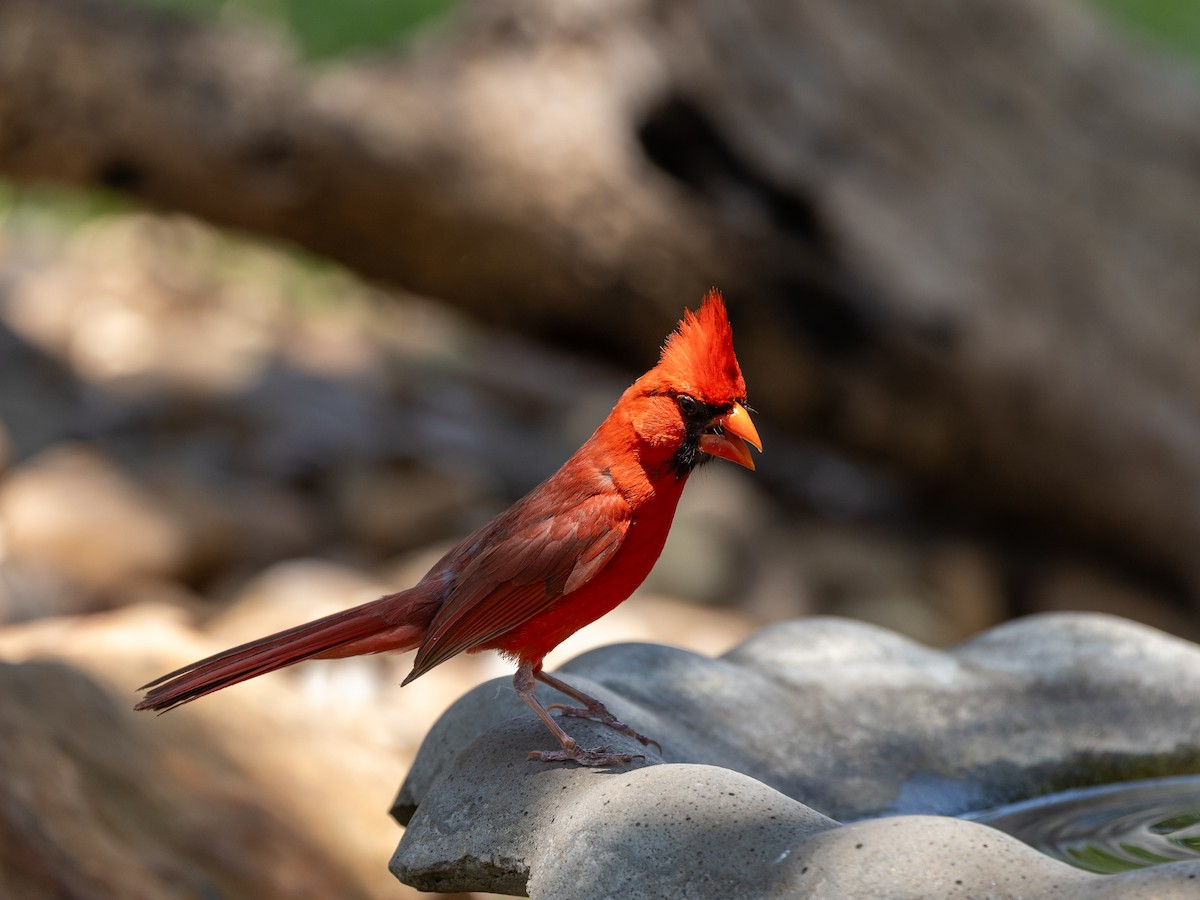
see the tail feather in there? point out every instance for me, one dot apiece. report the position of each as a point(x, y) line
point(395, 622)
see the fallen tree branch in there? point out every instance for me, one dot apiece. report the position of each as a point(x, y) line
point(959, 239)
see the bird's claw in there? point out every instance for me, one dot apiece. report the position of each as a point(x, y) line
point(604, 717)
point(598, 756)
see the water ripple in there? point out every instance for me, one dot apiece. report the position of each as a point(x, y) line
point(1112, 828)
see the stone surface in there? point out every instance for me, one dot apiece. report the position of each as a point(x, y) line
point(297, 590)
point(98, 789)
point(267, 792)
point(802, 726)
point(394, 508)
point(71, 509)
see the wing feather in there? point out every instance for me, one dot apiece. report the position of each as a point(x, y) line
point(518, 567)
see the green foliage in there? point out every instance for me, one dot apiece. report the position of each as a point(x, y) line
point(326, 28)
point(1173, 24)
point(323, 28)
point(25, 207)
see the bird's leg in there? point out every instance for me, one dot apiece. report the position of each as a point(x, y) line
point(591, 709)
point(524, 684)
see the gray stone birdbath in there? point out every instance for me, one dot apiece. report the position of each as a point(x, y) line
point(819, 758)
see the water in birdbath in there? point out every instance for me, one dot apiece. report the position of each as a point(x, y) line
point(1110, 828)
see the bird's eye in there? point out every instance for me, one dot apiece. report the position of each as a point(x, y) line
point(687, 405)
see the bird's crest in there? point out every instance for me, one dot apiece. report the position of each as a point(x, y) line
point(698, 356)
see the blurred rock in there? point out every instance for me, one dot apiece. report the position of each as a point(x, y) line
point(710, 630)
point(6, 449)
point(33, 591)
point(390, 508)
point(698, 562)
point(301, 425)
point(147, 300)
point(408, 568)
point(257, 793)
point(104, 807)
point(936, 592)
point(708, 553)
point(271, 522)
point(214, 536)
point(911, 615)
point(1070, 587)
point(966, 590)
point(40, 400)
point(289, 593)
point(73, 510)
point(804, 723)
point(862, 573)
point(296, 591)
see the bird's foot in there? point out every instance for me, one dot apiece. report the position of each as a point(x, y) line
point(600, 713)
point(598, 756)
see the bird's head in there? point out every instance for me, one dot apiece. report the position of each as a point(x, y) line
point(692, 405)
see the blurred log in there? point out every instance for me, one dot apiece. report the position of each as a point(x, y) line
point(960, 239)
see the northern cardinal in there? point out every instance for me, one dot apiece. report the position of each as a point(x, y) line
point(559, 558)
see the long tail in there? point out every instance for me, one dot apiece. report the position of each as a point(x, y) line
point(395, 622)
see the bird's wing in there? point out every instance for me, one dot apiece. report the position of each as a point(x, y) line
point(519, 566)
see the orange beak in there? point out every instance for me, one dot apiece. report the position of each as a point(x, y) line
point(728, 435)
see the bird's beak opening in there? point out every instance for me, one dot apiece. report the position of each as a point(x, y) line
point(728, 435)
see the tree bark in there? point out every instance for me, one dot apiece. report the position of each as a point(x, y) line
point(959, 239)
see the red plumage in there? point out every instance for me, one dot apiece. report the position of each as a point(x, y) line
point(559, 558)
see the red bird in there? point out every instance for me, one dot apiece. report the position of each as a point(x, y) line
point(559, 558)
